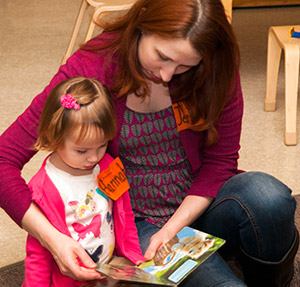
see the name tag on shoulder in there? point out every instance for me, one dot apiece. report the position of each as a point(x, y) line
point(182, 117)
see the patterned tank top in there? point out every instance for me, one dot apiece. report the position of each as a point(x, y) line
point(156, 165)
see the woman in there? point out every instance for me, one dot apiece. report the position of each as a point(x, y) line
point(181, 160)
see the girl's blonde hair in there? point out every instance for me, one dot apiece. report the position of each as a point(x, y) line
point(96, 114)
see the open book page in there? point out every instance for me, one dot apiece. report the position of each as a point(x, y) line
point(172, 263)
point(182, 254)
point(132, 274)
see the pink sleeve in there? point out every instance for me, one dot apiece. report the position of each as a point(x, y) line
point(38, 264)
point(41, 269)
point(126, 233)
point(127, 241)
point(219, 162)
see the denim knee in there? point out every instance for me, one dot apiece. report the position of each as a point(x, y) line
point(253, 210)
point(261, 191)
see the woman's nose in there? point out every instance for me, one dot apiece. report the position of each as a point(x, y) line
point(167, 72)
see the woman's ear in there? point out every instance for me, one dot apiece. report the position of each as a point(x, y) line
point(142, 11)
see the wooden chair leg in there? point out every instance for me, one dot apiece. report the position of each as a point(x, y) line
point(228, 9)
point(74, 35)
point(92, 25)
point(100, 11)
point(291, 92)
point(273, 62)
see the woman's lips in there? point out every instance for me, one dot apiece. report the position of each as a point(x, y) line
point(155, 77)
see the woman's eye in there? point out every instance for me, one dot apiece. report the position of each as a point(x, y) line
point(162, 57)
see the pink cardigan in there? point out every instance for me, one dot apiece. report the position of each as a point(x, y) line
point(40, 267)
point(211, 167)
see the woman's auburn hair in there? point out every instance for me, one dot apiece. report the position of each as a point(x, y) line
point(205, 88)
point(95, 117)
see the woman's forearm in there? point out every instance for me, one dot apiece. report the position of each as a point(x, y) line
point(189, 210)
point(37, 225)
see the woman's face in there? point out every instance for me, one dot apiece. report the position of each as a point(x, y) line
point(162, 58)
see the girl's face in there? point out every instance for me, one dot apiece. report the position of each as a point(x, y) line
point(162, 58)
point(80, 158)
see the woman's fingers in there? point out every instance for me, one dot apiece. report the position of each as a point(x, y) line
point(156, 241)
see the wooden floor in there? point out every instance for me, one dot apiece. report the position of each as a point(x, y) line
point(263, 3)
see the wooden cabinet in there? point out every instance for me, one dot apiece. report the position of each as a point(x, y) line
point(263, 3)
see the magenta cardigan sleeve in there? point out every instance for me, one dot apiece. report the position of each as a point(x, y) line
point(17, 140)
point(215, 165)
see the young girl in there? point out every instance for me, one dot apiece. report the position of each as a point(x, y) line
point(77, 122)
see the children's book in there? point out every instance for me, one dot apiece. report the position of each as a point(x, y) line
point(172, 263)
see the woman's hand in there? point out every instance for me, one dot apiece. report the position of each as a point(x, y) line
point(69, 255)
point(189, 210)
point(157, 241)
point(72, 259)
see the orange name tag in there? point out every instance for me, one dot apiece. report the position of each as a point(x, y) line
point(182, 117)
point(112, 181)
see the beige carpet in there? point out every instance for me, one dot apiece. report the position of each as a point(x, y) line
point(34, 36)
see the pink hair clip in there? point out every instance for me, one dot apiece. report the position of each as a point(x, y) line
point(69, 102)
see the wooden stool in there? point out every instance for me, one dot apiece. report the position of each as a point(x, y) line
point(278, 39)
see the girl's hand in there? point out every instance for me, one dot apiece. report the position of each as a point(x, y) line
point(69, 255)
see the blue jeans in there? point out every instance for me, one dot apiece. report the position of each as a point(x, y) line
point(253, 211)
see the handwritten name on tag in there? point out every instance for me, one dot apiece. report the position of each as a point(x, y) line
point(182, 117)
point(112, 181)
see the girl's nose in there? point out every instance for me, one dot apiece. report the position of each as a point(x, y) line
point(94, 157)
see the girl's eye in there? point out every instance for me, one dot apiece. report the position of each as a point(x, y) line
point(81, 151)
point(103, 146)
